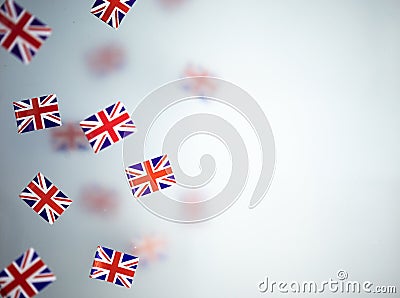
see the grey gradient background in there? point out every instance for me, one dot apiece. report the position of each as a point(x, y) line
point(326, 74)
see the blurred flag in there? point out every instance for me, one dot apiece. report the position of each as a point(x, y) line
point(193, 208)
point(169, 4)
point(150, 176)
point(68, 137)
point(114, 266)
point(200, 86)
point(112, 12)
point(21, 33)
point(99, 199)
point(149, 248)
point(108, 126)
point(45, 198)
point(25, 277)
point(106, 59)
point(37, 113)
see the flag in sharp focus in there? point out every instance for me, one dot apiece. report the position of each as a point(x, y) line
point(114, 266)
point(112, 12)
point(69, 137)
point(25, 277)
point(21, 33)
point(45, 198)
point(37, 113)
point(108, 126)
point(150, 176)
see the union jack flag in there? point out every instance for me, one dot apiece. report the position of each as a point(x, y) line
point(69, 137)
point(37, 113)
point(171, 3)
point(99, 199)
point(106, 59)
point(25, 277)
point(150, 248)
point(114, 266)
point(200, 85)
point(112, 12)
point(108, 126)
point(21, 33)
point(45, 198)
point(150, 176)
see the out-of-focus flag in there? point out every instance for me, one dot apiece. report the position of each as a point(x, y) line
point(192, 208)
point(99, 199)
point(37, 113)
point(25, 277)
point(200, 85)
point(108, 126)
point(112, 12)
point(114, 266)
point(68, 137)
point(45, 198)
point(149, 248)
point(21, 33)
point(106, 59)
point(150, 176)
point(169, 4)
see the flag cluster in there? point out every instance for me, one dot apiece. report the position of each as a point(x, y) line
point(22, 34)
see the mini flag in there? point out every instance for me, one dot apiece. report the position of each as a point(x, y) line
point(200, 85)
point(99, 199)
point(108, 126)
point(112, 12)
point(192, 208)
point(150, 248)
point(69, 137)
point(25, 277)
point(45, 198)
point(106, 59)
point(150, 176)
point(21, 33)
point(37, 113)
point(171, 3)
point(114, 266)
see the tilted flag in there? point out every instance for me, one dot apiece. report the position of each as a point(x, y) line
point(150, 176)
point(21, 33)
point(99, 199)
point(106, 59)
point(112, 12)
point(108, 126)
point(25, 277)
point(114, 266)
point(169, 4)
point(37, 113)
point(200, 85)
point(150, 248)
point(69, 137)
point(45, 198)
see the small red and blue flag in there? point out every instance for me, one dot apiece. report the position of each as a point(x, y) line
point(114, 266)
point(25, 277)
point(149, 176)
